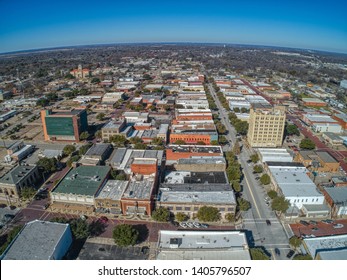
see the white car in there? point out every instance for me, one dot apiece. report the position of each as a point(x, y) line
point(183, 224)
point(197, 225)
point(190, 224)
point(338, 226)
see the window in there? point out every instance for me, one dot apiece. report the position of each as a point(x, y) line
point(178, 208)
point(222, 209)
point(186, 208)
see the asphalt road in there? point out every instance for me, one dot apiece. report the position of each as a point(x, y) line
point(274, 236)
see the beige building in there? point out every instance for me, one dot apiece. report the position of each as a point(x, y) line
point(266, 126)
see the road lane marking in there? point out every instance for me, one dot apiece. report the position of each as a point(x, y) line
point(250, 190)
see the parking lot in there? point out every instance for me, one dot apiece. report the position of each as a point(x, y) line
point(94, 251)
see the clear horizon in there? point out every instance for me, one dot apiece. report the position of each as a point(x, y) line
point(311, 25)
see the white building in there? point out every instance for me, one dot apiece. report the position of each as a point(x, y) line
point(275, 155)
point(327, 127)
point(112, 97)
point(292, 181)
point(202, 245)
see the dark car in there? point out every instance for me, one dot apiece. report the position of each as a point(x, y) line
point(313, 222)
point(328, 221)
point(277, 251)
point(304, 223)
point(268, 222)
point(103, 219)
point(290, 254)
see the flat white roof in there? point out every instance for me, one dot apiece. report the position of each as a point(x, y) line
point(325, 243)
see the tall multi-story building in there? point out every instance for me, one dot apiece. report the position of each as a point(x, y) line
point(266, 126)
point(80, 72)
point(64, 125)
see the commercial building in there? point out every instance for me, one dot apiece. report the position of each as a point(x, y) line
point(6, 115)
point(40, 240)
point(5, 95)
point(274, 155)
point(319, 161)
point(194, 133)
point(112, 128)
point(122, 158)
point(75, 192)
point(187, 192)
point(332, 138)
point(201, 164)
point(138, 197)
point(291, 180)
point(135, 117)
point(15, 180)
point(322, 123)
point(163, 132)
point(327, 247)
point(108, 198)
point(336, 197)
point(313, 102)
point(112, 97)
point(96, 155)
point(64, 125)
point(266, 126)
point(341, 119)
point(202, 245)
point(17, 151)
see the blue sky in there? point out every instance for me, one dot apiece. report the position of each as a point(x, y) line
point(33, 24)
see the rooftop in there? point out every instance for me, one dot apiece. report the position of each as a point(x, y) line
point(113, 189)
point(140, 187)
point(72, 112)
point(204, 245)
point(195, 149)
point(202, 160)
point(98, 149)
point(338, 195)
point(187, 177)
point(16, 174)
point(325, 243)
point(36, 241)
point(83, 180)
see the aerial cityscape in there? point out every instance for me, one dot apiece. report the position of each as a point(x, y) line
point(169, 143)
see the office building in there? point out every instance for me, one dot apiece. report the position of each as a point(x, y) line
point(266, 126)
point(64, 125)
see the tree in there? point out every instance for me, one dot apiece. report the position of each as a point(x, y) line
point(244, 204)
point(230, 217)
point(42, 102)
point(84, 135)
point(135, 140)
point(125, 235)
point(222, 140)
point(180, 142)
point(265, 179)
point(201, 143)
point(302, 257)
point(47, 164)
point(72, 159)
point(157, 141)
point(84, 149)
point(69, 76)
point(295, 242)
point(292, 129)
point(272, 194)
point(161, 214)
point(258, 254)
point(280, 204)
point(10, 236)
point(121, 177)
point(100, 116)
point(257, 168)
point(140, 146)
point(181, 217)
point(307, 144)
point(254, 158)
point(95, 81)
point(236, 148)
point(215, 142)
point(79, 228)
point(27, 192)
point(69, 149)
point(118, 140)
point(236, 186)
point(208, 214)
point(98, 134)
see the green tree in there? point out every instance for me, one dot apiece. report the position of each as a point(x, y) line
point(69, 149)
point(69, 76)
point(47, 164)
point(257, 168)
point(72, 159)
point(292, 129)
point(27, 192)
point(180, 217)
point(222, 139)
point(280, 204)
point(208, 214)
point(118, 140)
point(95, 81)
point(302, 257)
point(42, 102)
point(61, 220)
point(79, 228)
point(100, 116)
point(140, 146)
point(236, 186)
point(295, 242)
point(244, 204)
point(254, 158)
point(84, 135)
point(135, 140)
point(272, 194)
point(161, 214)
point(258, 254)
point(84, 149)
point(180, 142)
point(215, 142)
point(265, 179)
point(236, 148)
point(121, 177)
point(98, 134)
point(201, 143)
point(10, 236)
point(230, 217)
point(307, 144)
point(158, 141)
point(125, 235)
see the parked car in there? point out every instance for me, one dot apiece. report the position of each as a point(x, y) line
point(290, 254)
point(197, 225)
point(204, 225)
point(268, 222)
point(277, 251)
point(103, 219)
point(313, 222)
point(328, 221)
point(314, 229)
point(190, 224)
point(338, 226)
point(183, 224)
point(304, 223)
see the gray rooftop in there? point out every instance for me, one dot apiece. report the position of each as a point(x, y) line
point(337, 254)
point(202, 160)
point(36, 241)
point(325, 243)
point(113, 189)
point(187, 177)
point(98, 149)
point(196, 149)
point(204, 245)
point(338, 195)
point(140, 187)
point(16, 174)
point(113, 124)
point(333, 136)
